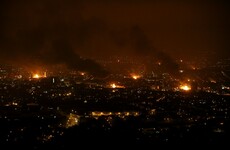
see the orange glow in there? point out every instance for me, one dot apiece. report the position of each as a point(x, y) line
point(185, 87)
point(113, 85)
point(36, 76)
point(135, 77)
point(82, 73)
point(44, 75)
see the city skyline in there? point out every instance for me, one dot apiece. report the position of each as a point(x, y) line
point(114, 73)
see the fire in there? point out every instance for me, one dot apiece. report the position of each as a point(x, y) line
point(36, 76)
point(185, 87)
point(135, 77)
point(113, 85)
point(39, 75)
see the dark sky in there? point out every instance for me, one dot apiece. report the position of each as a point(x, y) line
point(35, 30)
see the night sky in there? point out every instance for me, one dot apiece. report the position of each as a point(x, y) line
point(60, 31)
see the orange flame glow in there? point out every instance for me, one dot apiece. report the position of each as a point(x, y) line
point(36, 76)
point(185, 87)
point(135, 77)
point(113, 85)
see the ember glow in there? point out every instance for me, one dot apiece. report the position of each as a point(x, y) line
point(135, 77)
point(39, 75)
point(113, 85)
point(82, 73)
point(185, 87)
point(36, 76)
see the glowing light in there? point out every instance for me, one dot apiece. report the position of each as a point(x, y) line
point(82, 73)
point(39, 75)
point(68, 94)
point(185, 87)
point(73, 120)
point(213, 81)
point(36, 76)
point(113, 85)
point(135, 77)
point(193, 68)
point(45, 75)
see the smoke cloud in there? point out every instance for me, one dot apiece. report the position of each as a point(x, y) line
point(143, 46)
point(62, 53)
point(48, 33)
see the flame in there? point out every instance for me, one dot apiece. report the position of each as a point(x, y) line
point(185, 87)
point(113, 85)
point(36, 76)
point(135, 77)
